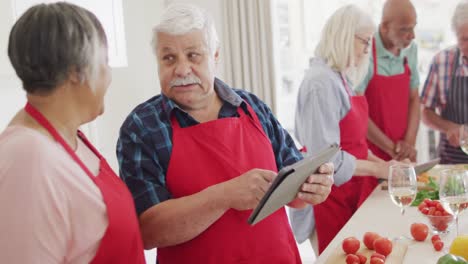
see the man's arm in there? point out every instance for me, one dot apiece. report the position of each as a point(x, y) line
point(179, 220)
point(435, 121)
point(376, 136)
point(175, 221)
point(431, 100)
point(406, 149)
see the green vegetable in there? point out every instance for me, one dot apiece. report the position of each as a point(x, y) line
point(432, 194)
point(451, 259)
point(454, 186)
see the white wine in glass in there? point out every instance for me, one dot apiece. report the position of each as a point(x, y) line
point(453, 191)
point(402, 185)
point(464, 138)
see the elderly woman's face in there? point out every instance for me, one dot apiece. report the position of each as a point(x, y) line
point(93, 98)
point(186, 68)
point(103, 82)
point(362, 44)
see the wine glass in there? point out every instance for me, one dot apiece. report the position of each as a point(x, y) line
point(464, 138)
point(453, 191)
point(402, 185)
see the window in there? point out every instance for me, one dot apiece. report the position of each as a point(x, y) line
point(109, 13)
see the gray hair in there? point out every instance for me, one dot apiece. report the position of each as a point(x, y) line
point(460, 15)
point(179, 19)
point(336, 45)
point(50, 41)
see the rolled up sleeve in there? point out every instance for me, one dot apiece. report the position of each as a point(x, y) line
point(429, 95)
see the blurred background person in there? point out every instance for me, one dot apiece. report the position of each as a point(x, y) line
point(60, 201)
point(445, 93)
point(391, 84)
point(328, 110)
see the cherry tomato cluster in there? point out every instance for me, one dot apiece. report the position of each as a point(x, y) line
point(430, 207)
point(437, 243)
point(382, 246)
point(436, 214)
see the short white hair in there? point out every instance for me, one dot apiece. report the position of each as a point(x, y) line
point(179, 19)
point(460, 15)
point(336, 45)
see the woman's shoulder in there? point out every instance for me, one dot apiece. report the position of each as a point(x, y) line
point(321, 78)
point(320, 75)
point(21, 142)
point(35, 156)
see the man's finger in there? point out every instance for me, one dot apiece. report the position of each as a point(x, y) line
point(397, 148)
point(326, 168)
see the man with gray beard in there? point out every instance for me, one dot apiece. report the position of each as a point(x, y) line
point(200, 156)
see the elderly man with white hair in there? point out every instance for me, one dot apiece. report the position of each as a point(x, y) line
point(199, 157)
point(445, 94)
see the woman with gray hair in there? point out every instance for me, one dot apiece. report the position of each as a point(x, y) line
point(445, 93)
point(328, 111)
point(60, 200)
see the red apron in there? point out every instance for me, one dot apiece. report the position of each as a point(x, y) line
point(122, 241)
point(344, 200)
point(388, 98)
point(214, 152)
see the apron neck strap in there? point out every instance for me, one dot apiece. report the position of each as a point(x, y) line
point(345, 83)
point(42, 120)
point(374, 55)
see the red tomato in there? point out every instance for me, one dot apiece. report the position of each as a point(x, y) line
point(440, 207)
point(438, 245)
point(422, 206)
point(352, 259)
point(419, 231)
point(376, 261)
point(383, 246)
point(435, 238)
point(351, 245)
point(362, 258)
point(428, 202)
point(377, 255)
point(369, 238)
point(425, 210)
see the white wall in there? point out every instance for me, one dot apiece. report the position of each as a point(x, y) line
point(136, 83)
point(11, 95)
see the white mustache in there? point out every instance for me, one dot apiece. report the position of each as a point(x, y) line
point(191, 79)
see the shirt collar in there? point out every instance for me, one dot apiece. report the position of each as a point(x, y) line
point(225, 93)
point(382, 52)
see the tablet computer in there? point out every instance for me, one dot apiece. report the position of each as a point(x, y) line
point(287, 183)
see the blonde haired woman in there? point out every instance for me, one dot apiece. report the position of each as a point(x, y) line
point(328, 110)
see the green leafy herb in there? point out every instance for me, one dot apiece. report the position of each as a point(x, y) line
point(432, 194)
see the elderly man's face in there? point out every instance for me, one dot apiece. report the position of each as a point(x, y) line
point(400, 31)
point(186, 69)
point(462, 39)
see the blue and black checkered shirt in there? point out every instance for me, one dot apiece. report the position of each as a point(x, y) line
point(145, 142)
